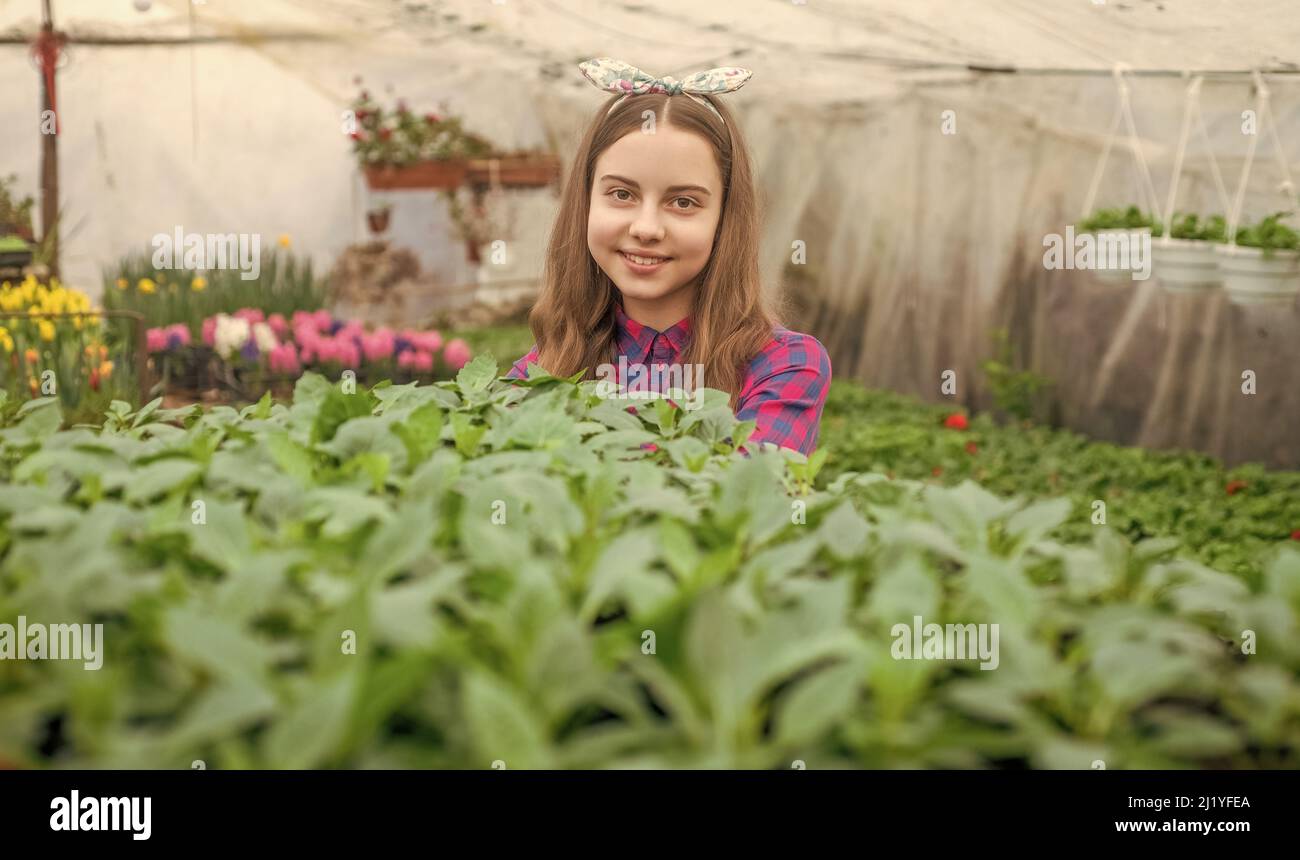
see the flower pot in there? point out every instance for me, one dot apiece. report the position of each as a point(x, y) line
point(515, 171)
point(1115, 275)
point(1254, 276)
point(1185, 265)
point(378, 220)
point(446, 175)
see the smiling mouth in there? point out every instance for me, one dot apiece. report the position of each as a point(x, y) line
point(644, 261)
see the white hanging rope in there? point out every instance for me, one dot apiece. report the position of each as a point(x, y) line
point(1123, 110)
point(1192, 108)
point(1288, 187)
point(1262, 113)
point(1189, 105)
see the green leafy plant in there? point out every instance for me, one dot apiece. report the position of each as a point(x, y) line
point(15, 212)
point(451, 575)
point(1014, 391)
point(1270, 234)
point(1131, 218)
point(286, 283)
point(1231, 519)
point(1188, 226)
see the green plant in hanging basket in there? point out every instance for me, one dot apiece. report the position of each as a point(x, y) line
point(1269, 234)
point(1131, 218)
point(1189, 226)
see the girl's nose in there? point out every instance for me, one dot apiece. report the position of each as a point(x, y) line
point(646, 227)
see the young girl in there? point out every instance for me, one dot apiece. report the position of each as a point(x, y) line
point(653, 259)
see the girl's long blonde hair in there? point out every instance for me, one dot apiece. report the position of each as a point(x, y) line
point(731, 319)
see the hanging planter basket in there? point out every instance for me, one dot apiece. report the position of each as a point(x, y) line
point(1115, 275)
point(438, 175)
point(1186, 265)
point(1254, 276)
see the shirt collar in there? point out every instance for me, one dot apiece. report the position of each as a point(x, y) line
point(636, 340)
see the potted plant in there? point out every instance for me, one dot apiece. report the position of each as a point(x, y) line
point(1263, 264)
point(1105, 224)
point(1184, 259)
point(377, 218)
point(398, 148)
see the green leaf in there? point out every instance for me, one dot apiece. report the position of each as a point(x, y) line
point(478, 374)
point(502, 725)
point(309, 735)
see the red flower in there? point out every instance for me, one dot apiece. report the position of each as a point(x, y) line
point(1295, 535)
point(937, 471)
point(956, 421)
point(385, 133)
point(971, 448)
point(356, 135)
point(94, 379)
point(650, 446)
point(432, 118)
point(631, 409)
point(362, 114)
point(1234, 486)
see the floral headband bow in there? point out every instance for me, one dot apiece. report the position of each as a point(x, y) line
point(618, 77)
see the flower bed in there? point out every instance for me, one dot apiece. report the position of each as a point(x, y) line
point(285, 284)
point(474, 572)
point(53, 341)
point(248, 352)
point(1233, 519)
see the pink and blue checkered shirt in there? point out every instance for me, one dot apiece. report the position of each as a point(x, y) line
point(783, 391)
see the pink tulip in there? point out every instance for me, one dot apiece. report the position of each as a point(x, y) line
point(378, 346)
point(210, 331)
point(253, 315)
point(303, 318)
point(284, 359)
point(323, 319)
point(456, 353)
point(348, 353)
point(155, 339)
point(178, 335)
point(423, 361)
point(405, 359)
point(278, 325)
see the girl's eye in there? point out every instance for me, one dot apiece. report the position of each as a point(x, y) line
point(689, 200)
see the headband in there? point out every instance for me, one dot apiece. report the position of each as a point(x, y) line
point(618, 77)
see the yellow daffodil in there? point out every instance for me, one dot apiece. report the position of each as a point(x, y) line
point(146, 286)
point(47, 330)
point(198, 284)
point(6, 342)
point(284, 240)
point(122, 283)
point(105, 369)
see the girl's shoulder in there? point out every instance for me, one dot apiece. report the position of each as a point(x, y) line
point(791, 353)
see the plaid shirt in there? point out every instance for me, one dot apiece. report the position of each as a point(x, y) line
point(784, 388)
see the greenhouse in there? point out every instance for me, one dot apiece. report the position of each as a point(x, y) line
point(966, 437)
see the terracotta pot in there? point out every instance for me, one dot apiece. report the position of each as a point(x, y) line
point(446, 175)
point(378, 220)
point(515, 171)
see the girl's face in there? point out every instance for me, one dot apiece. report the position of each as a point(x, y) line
point(656, 195)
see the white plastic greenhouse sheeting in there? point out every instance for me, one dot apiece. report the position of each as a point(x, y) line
point(919, 243)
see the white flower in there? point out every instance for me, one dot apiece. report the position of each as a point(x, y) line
point(265, 337)
point(231, 335)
